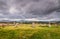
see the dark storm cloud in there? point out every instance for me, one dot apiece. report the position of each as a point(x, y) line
point(16, 9)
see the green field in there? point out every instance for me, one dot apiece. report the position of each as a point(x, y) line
point(25, 31)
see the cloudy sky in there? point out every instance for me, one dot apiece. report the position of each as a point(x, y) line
point(28, 9)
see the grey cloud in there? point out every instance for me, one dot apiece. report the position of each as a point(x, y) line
point(30, 8)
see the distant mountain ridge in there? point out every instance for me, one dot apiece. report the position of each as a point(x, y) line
point(26, 21)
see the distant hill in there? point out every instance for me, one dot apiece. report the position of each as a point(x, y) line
point(29, 21)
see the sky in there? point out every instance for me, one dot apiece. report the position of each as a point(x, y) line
point(30, 9)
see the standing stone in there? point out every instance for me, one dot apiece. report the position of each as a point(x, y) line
point(33, 24)
point(16, 24)
point(49, 25)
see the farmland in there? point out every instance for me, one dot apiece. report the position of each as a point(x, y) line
point(26, 31)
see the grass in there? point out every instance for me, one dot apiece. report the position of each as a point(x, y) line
point(27, 32)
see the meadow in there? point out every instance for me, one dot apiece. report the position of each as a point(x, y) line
point(26, 31)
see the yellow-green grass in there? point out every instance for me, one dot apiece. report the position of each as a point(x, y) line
point(25, 31)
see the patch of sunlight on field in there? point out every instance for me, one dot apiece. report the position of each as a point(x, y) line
point(23, 27)
point(10, 28)
point(27, 26)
